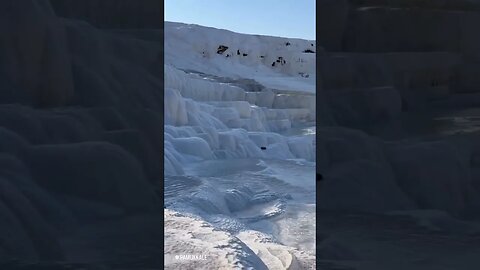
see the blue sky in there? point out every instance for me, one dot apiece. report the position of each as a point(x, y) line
point(285, 18)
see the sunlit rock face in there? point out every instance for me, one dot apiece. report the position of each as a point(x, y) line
point(208, 118)
point(240, 144)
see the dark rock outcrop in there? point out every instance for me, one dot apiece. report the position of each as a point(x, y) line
point(221, 49)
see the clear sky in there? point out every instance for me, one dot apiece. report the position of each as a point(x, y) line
point(284, 18)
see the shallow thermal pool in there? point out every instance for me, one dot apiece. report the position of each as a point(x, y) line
point(275, 197)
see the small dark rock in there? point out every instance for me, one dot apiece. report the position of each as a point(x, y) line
point(221, 49)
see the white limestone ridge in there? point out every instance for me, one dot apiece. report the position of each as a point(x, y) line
point(248, 56)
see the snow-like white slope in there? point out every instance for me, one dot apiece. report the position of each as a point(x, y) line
point(239, 149)
point(214, 249)
point(195, 47)
point(185, 236)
